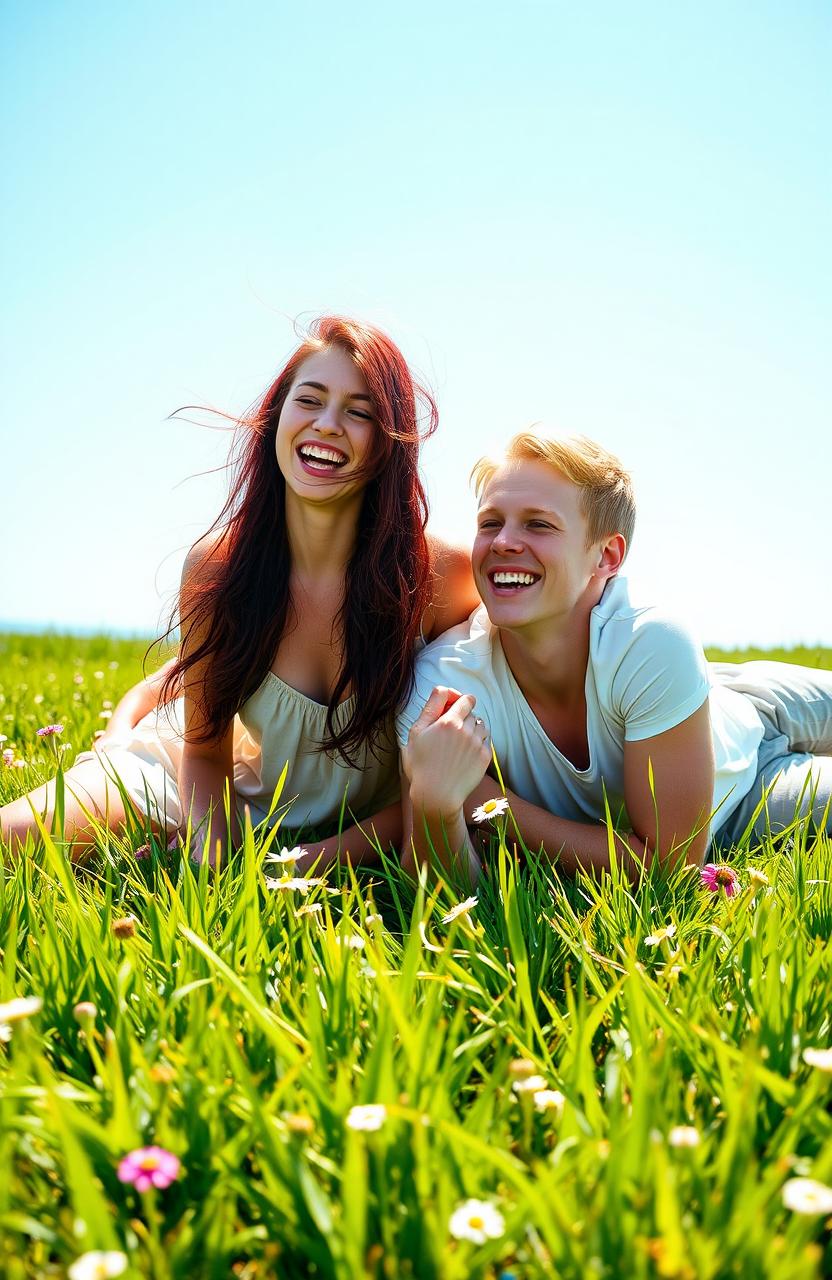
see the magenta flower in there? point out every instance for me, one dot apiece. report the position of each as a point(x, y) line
point(148, 1167)
point(143, 851)
point(717, 876)
point(49, 730)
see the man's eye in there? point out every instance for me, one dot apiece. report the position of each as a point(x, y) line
point(489, 524)
point(540, 524)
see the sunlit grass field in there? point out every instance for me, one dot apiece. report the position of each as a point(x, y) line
point(367, 1079)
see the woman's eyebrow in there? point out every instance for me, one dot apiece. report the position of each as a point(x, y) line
point(319, 386)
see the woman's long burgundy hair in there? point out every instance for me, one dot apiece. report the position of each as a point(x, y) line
point(239, 600)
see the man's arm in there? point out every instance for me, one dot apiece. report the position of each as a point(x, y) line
point(446, 756)
point(669, 816)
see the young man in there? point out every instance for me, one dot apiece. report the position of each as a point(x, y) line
point(590, 699)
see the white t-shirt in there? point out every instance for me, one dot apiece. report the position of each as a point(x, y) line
point(645, 675)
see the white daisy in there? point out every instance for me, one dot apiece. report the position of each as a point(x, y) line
point(367, 1118)
point(477, 1221)
point(285, 855)
point(684, 1135)
point(293, 882)
point(490, 809)
point(804, 1195)
point(820, 1058)
point(460, 910)
point(660, 935)
point(98, 1265)
point(531, 1084)
point(549, 1100)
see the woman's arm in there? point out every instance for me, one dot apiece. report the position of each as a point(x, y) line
point(206, 769)
point(358, 844)
point(135, 704)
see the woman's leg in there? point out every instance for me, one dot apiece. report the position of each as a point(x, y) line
point(90, 792)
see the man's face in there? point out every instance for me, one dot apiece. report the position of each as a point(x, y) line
point(530, 557)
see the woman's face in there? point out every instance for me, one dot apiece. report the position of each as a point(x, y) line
point(325, 430)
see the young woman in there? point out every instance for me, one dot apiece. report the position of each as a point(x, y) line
point(300, 613)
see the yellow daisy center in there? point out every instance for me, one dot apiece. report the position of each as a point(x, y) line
point(476, 1222)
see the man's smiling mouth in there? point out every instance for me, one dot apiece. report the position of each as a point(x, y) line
point(512, 579)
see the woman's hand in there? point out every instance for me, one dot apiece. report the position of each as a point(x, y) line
point(447, 752)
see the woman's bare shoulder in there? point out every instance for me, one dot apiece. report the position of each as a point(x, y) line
point(453, 592)
point(204, 557)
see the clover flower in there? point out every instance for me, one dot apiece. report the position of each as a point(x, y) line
point(50, 730)
point(461, 909)
point(148, 1167)
point(490, 809)
point(717, 876)
point(98, 1265)
point(804, 1195)
point(367, 1118)
point(477, 1221)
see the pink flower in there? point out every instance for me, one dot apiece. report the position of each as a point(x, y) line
point(148, 1167)
point(143, 851)
point(717, 876)
point(49, 730)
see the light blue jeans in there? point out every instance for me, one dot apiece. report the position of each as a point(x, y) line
point(794, 763)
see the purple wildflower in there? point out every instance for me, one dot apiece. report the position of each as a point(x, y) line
point(49, 730)
point(717, 876)
point(148, 1167)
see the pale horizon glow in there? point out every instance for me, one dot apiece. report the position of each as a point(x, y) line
point(614, 221)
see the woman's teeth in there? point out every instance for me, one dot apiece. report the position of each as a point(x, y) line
point(503, 579)
point(319, 455)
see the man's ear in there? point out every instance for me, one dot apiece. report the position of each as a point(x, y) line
point(611, 553)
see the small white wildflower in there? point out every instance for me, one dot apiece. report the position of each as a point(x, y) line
point(293, 882)
point(660, 935)
point(460, 909)
point(758, 879)
point(98, 1265)
point(684, 1135)
point(531, 1084)
point(309, 909)
point(490, 809)
point(285, 855)
point(820, 1058)
point(367, 1118)
point(804, 1195)
point(549, 1100)
point(352, 940)
point(20, 1008)
point(373, 918)
point(477, 1221)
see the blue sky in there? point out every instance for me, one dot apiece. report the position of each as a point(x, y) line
point(611, 218)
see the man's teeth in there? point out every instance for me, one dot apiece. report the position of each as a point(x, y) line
point(502, 579)
point(320, 453)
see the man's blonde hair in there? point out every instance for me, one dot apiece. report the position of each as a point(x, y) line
point(607, 498)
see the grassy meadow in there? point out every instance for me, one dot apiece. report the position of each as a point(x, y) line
point(361, 1078)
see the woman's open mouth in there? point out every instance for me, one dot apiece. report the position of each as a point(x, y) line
point(321, 459)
